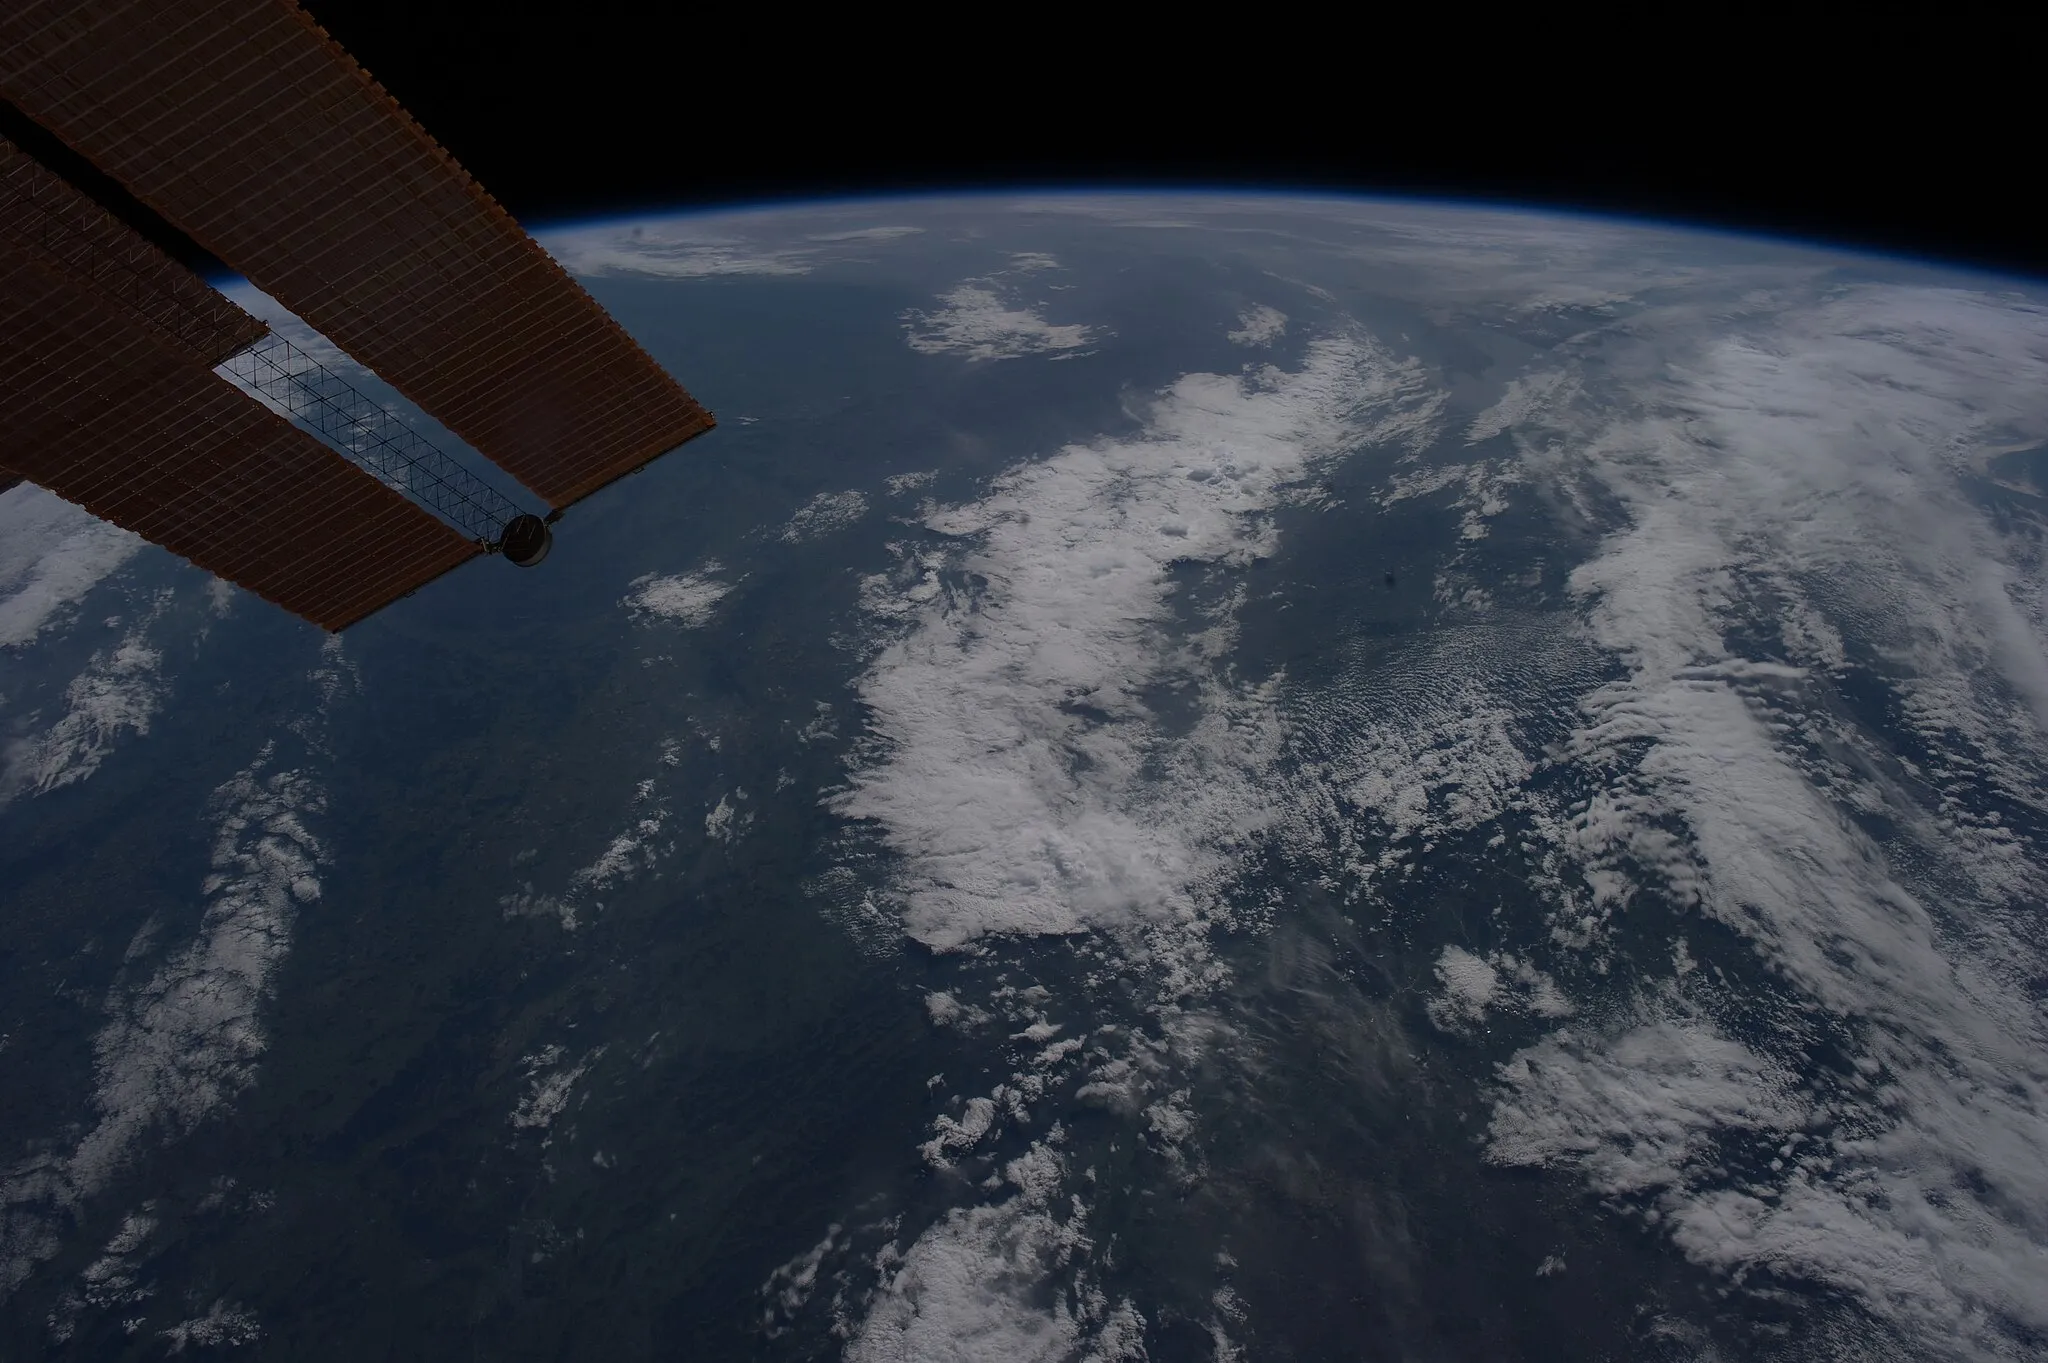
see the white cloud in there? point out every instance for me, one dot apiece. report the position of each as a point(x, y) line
point(548, 1085)
point(687, 599)
point(977, 323)
point(113, 1282)
point(1473, 986)
point(635, 850)
point(1789, 475)
point(947, 1011)
point(225, 1322)
point(672, 250)
point(181, 1044)
point(1019, 776)
point(1027, 788)
point(825, 513)
point(1431, 748)
point(726, 821)
point(706, 245)
point(119, 691)
point(868, 234)
point(1644, 1110)
point(1259, 325)
point(974, 1288)
point(1814, 461)
point(1772, 489)
point(1470, 986)
point(790, 1286)
point(179, 1047)
point(1526, 400)
point(51, 554)
point(900, 483)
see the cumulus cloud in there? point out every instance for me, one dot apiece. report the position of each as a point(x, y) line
point(686, 599)
point(549, 1083)
point(181, 1045)
point(824, 513)
point(725, 821)
point(1472, 986)
point(1787, 507)
point(187, 1041)
point(1815, 467)
point(1259, 325)
point(1026, 787)
point(1432, 743)
point(1647, 1109)
point(183, 1039)
point(975, 321)
point(225, 1323)
point(119, 691)
point(1526, 400)
point(646, 838)
point(1019, 775)
point(973, 1287)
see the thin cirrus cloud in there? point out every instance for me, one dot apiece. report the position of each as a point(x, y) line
point(695, 248)
point(676, 251)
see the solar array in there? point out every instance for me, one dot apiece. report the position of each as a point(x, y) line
point(245, 126)
point(40, 211)
point(137, 429)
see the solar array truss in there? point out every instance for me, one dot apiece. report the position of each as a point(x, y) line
point(242, 123)
point(293, 383)
point(42, 211)
point(137, 429)
point(55, 228)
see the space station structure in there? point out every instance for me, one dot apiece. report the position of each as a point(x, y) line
point(132, 387)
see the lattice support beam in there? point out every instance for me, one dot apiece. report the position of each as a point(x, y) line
point(244, 125)
point(291, 382)
point(110, 413)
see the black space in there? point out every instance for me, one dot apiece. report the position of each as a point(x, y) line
point(1909, 131)
point(1907, 134)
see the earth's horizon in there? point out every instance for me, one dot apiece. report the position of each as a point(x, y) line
point(1186, 776)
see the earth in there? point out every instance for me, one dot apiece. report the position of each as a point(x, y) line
point(1185, 777)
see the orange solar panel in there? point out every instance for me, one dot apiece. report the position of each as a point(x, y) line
point(70, 232)
point(110, 414)
point(245, 125)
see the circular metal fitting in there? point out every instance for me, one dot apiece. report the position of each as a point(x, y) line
point(526, 540)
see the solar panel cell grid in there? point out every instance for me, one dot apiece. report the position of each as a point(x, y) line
point(112, 415)
point(240, 121)
point(42, 211)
